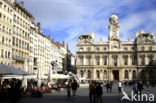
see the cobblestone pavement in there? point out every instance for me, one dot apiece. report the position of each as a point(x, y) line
point(82, 96)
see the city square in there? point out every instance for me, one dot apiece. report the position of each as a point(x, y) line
point(77, 51)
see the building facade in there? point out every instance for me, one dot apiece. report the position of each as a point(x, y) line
point(116, 59)
point(6, 25)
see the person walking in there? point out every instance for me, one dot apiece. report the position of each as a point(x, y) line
point(140, 88)
point(107, 86)
point(119, 87)
point(92, 92)
point(99, 92)
point(135, 88)
point(68, 89)
point(74, 87)
point(110, 86)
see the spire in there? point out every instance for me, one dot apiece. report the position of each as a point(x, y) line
point(113, 13)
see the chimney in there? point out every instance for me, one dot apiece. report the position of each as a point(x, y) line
point(39, 25)
point(67, 46)
point(63, 43)
point(21, 4)
point(52, 40)
point(48, 36)
point(136, 34)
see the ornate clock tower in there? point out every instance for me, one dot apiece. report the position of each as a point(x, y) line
point(113, 27)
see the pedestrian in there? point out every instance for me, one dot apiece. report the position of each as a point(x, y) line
point(147, 85)
point(74, 87)
point(140, 88)
point(92, 92)
point(107, 86)
point(119, 87)
point(152, 82)
point(99, 92)
point(135, 88)
point(68, 89)
point(110, 86)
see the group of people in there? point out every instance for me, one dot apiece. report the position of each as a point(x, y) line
point(72, 86)
point(95, 92)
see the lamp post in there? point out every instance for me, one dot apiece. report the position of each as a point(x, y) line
point(75, 66)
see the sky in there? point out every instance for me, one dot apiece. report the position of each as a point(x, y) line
point(68, 19)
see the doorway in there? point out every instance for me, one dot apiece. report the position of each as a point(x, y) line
point(116, 74)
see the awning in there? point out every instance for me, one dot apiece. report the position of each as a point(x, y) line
point(9, 70)
point(60, 76)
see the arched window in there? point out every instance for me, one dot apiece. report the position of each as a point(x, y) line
point(81, 49)
point(104, 49)
point(126, 74)
point(98, 74)
point(89, 74)
point(134, 74)
point(125, 60)
point(105, 74)
point(82, 73)
point(105, 60)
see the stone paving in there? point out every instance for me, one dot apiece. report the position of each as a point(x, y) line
point(82, 96)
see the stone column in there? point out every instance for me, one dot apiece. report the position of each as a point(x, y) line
point(130, 74)
point(110, 60)
point(120, 59)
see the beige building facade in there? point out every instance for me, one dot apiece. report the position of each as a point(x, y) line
point(116, 59)
point(6, 25)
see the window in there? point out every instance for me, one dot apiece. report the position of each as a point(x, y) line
point(105, 49)
point(88, 49)
point(2, 53)
point(126, 74)
point(143, 61)
point(8, 54)
point(105, 60)
point(150, 48)
point(125, 60)
point(5, 54)
point(81, 60)
point(97, 49)
point(81, 74)
point(105, 74)
point(134, 74)
point(2, 40)
point(142, 48)
point(81, 49)
point(89, 60)
point(125, 48)
point(97, 60)
point(115, 61)
point(98, 74)
point(89, 74)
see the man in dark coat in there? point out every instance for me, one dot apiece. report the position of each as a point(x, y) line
point(74, 87)
point(99, 92)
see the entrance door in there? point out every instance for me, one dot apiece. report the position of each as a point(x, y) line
point(116, 74)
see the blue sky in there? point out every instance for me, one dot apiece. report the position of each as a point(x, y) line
point(68, 19)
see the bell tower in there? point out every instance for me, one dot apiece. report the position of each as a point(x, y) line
point(113, 27)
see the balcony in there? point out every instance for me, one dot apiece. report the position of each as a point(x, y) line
point(18, 58)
